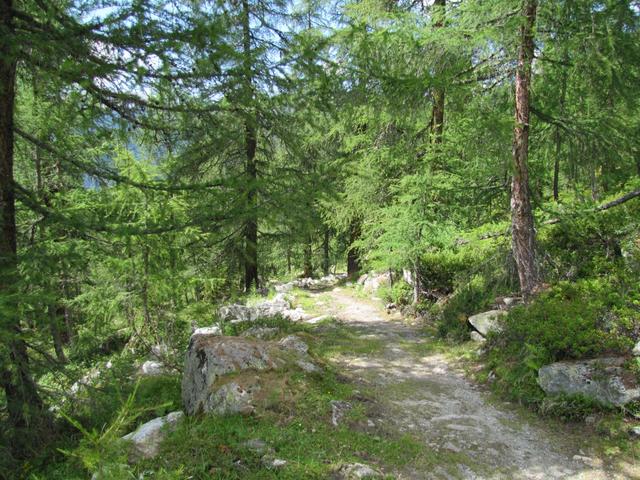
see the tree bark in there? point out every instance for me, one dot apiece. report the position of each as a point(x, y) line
point(353, 259)
point(55, 334)
point(23, 402)
point(307, 262)
point(251, 169)
point(325, 252)
point(437, 118)
point(556, 164)
point(522, 226)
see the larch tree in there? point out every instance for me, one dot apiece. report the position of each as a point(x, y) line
point(522, 224)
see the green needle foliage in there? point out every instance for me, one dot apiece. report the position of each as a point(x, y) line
point(161, 158)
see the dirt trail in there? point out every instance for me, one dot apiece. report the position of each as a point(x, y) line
point(430, 398)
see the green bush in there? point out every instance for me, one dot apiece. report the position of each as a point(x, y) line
point(571, 321)
point(399, 293)
point(452, 317)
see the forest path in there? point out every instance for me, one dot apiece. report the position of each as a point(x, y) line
point(421, 392)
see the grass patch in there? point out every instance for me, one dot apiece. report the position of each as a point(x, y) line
point(336, 338)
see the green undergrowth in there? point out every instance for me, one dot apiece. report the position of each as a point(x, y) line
point(590, 308)
point(296, 425)
point(399, 293)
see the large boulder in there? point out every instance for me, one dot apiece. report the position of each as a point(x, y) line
point(146, 440)
point(221, 373)
point(601, 379)
point(487, 321)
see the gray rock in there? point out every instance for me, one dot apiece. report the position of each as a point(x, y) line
point(591, 462)
point(319, 319)
point(602, 379)
point(476, 337)
point(376, 280)
point(87, 380)
point(258, 446)
point(160, 351)
point(211, 357)
point(636, 350)
point(293, 342)
point(233, 398)
point(151, 368)
point(635, 432)
point(407, 276)
point(356, 471)
point(147, 438)
point(511, 301)
point(278, 306)
point(273, 463)
point(285, 287)
point(487, 321)
point(212, 330)
point(260, 332)
point(327, 281)
point(295, 314)
point(308, 366)
point(339, 409)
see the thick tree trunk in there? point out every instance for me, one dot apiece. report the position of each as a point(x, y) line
point(522, 228)
point(353, 259)
point(251, 169)
point(23, 402)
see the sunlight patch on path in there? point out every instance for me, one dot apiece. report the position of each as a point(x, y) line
point(424, 396)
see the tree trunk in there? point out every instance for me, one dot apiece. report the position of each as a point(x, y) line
point(251, 170)
point(70, 331)
point(522, 228)
point(23, 402)
point(437, 118)
point(325, 252)
point(55, 334)
point(417, 286)
point(353, 260)
point(556, 164)
point(307, 262)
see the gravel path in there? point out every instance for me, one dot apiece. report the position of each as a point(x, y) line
point(428, 397)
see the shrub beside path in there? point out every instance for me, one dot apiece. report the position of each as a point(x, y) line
point(420, 392)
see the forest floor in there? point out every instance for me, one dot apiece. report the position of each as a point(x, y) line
point(418, 389)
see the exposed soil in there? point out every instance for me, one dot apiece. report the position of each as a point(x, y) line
point(427, 396)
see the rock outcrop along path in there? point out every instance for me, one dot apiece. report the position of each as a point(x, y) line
point(425, 395)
